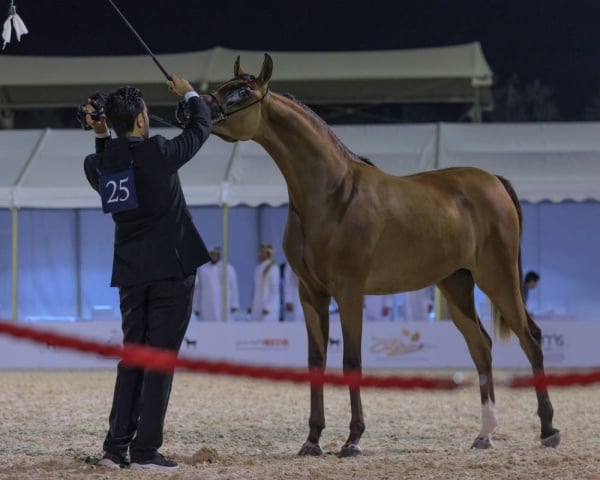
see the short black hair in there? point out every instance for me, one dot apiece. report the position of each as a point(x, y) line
point(122, 108)
point(532, 276)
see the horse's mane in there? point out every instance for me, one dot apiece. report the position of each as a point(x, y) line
point(333, 135)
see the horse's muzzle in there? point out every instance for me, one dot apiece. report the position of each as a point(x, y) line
point(216, 111)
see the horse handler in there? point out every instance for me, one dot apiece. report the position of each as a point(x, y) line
point(157, 250)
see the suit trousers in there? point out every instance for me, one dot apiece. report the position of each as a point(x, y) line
point(156, 314)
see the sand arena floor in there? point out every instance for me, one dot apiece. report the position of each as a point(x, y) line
point(53, 423)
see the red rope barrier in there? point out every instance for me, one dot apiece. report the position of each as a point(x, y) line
point(151, 358)
point(566, 380)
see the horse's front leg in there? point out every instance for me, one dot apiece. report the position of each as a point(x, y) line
point(350, 305)
point(316, 314)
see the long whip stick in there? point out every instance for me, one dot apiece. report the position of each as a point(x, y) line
point(167, 76)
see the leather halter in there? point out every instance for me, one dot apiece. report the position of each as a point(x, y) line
point(223, 115)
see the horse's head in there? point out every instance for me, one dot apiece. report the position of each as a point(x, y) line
point(236, 109)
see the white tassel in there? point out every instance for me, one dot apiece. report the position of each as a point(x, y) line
point(19, 26)
point(6, 31)
point(13, 21)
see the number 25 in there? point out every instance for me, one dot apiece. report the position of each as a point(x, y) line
point(120, 193)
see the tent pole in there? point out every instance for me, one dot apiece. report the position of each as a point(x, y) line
point(15, 264)
point(477, 106)
point(437, 301)
point(225, 246)
point(438, 139)
point(437, 297)
point(224, 262)
point(15, 225)
point(78, 288)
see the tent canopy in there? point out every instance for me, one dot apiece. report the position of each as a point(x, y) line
point(553, 161)
point(436, 75)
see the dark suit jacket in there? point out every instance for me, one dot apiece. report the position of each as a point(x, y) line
point(158, 239)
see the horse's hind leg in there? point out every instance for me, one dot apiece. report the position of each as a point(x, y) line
point(316, 314)
point(512, 309)
point(550, 436)
point(458, 290)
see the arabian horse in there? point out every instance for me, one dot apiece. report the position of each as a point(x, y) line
point(353, 229)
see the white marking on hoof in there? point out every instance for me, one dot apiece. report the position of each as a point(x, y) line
point(488, 419)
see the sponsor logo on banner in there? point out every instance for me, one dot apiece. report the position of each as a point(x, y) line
point(269, 344)
point(409, 343)
point(190, 343)
point(114, 339)
point(554, 346)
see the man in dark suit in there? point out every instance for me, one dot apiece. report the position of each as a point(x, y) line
point(157, 250)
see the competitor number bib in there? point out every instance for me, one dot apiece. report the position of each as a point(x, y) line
point(117, 190)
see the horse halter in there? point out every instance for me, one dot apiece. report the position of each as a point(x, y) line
point(223, 115)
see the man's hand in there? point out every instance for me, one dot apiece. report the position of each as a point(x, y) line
point(180, 86)
point(99, 126)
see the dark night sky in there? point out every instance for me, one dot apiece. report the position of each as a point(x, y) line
point(556, 42)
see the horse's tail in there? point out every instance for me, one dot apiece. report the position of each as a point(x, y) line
point(501, 327)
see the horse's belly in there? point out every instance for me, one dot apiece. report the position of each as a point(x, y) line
point(402, 273)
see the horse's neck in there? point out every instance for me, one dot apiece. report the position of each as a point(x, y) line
point(307, 153)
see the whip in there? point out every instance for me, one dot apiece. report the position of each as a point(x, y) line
point(181, 121)
point(167, 76)
point(98, 109)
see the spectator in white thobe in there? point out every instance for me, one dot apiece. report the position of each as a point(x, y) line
point(208, 294)
point(418, 305)
point(266, 297)
point(378, 307)
point(293, 307)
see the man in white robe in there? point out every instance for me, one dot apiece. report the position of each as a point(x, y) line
point(418, 305)
point(266, 297)
point(208, 294)
point(378, 307)
point(293, 307)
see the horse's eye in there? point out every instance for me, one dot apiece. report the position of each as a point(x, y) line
point(239, 95)
point(244, 92)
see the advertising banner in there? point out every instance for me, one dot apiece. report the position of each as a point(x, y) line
point(384, 346)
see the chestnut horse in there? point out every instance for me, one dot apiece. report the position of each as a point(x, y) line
point(353, 229)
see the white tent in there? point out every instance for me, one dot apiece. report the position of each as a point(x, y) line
point(544, 161)
point(42, 174)
point(445, 74)
point(553, 161)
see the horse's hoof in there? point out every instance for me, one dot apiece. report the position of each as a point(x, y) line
point(310, 449)
point(552, 441)
point(482, 443)
point(350, 450)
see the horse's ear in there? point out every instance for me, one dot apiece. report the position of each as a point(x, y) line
point(237, 70)
point(266, 70)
